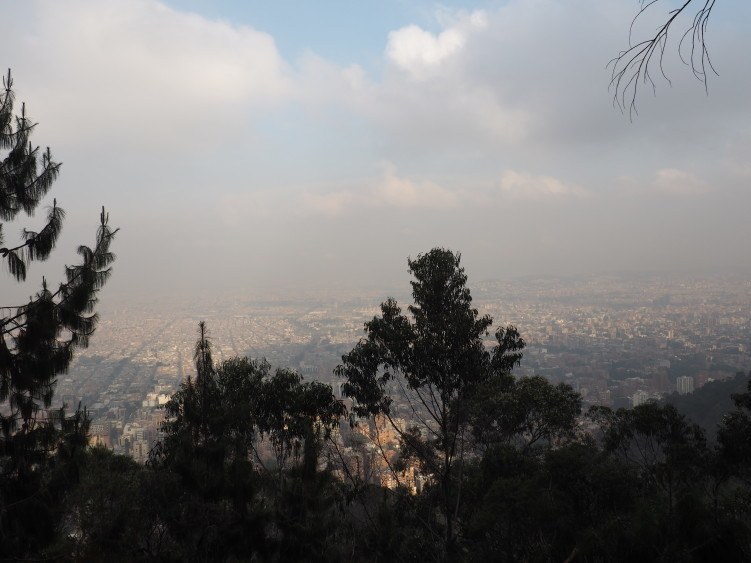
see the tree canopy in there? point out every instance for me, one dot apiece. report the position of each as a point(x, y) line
point(430, 365)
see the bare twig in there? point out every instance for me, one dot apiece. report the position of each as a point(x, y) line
point(636, 65)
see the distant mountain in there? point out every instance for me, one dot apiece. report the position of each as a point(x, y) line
point(706, 406)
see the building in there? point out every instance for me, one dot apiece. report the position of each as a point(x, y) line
point(684, 385)
point(639, 398)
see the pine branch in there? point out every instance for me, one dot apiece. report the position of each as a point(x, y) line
point(100, 257)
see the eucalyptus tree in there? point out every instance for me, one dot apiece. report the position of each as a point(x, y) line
point(528, 414)
point(428, 365)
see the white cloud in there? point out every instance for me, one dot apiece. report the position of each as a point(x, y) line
point(419, 52)
point(153, 75)
point(390, 190)
point(527, 186)
point(148, 105)
point(429, 97)
point(523, 81)
point(397, 192)
point(415, 50)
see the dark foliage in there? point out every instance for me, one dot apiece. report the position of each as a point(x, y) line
point(434, 360)
point(708, 405)
point(239, 474)
point(37, 341)
point(244, 506)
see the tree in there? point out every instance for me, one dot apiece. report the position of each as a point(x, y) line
point(734, 435)
point(208, 431)
point(526, 413)
point(669, 452)
point(212, 429)
point(427, 366)
point(194, 444)
point(37, 339)
point(219, 417)
point(638, 64)
point(734, 453)
point(296, 416)
point(686, 508)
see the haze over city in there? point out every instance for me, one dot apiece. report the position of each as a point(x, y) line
point(252, 146)
point(395, 280)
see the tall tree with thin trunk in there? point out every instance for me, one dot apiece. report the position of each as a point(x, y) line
point(427, 366)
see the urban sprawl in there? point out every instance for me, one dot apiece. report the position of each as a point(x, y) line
point(619, 341)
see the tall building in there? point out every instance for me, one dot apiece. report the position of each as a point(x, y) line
point(639, 398)
point(684, 385)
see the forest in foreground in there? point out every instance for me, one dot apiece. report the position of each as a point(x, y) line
point(510, 468)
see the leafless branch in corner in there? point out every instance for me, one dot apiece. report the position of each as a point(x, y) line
point(639, 64)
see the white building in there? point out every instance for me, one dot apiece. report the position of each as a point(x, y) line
point(639, 398)
point(684, 385)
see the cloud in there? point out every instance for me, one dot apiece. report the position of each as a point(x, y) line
point(415, 50)
point(398, 192)
point(405, 193)
point(150, 75)
point(523, 82)
point(418, 52)
point(390, 190)
point(521, 185)
point(149, 105)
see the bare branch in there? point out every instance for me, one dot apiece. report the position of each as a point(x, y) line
point(636, 66)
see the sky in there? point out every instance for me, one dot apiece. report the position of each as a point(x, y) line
point(253, 146)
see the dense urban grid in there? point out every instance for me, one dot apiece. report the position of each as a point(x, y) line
point(618, 341)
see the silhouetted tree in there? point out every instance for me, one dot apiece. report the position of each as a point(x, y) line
point(681, 509)
point(212, 429)
point(527, 412)
point(734, 435)
point(37, 339)
point(296, 416)
point(433, 361)
point(669, 452)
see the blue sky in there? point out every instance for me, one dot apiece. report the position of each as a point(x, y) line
point(292, 144)
point(343, 31)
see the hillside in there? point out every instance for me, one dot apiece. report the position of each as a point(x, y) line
point(706, 406)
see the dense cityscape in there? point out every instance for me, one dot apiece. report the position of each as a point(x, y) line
point(618, 341)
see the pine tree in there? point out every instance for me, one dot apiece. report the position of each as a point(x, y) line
point(37, 339)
